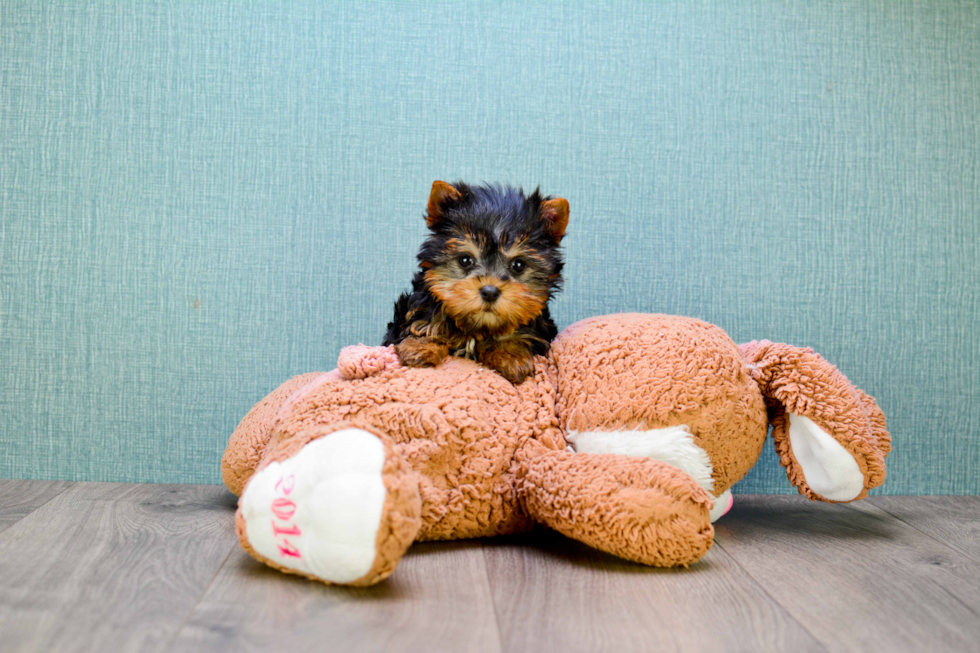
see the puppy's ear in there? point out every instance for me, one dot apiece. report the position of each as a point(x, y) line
point(555, 213)
point(441, 194)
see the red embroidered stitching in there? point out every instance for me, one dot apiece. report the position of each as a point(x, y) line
point(284, 509)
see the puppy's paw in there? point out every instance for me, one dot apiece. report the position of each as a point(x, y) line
point(421, 352)
point(513, 367)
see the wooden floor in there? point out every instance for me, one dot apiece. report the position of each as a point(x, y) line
point(115, 567)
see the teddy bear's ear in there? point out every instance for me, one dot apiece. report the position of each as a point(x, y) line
point(830, 436)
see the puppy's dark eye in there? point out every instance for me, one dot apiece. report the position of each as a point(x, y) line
point(466, 262)
point(517, 266)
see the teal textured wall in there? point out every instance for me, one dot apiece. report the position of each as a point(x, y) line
point(202, 199)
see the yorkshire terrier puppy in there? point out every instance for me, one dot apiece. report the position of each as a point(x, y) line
point(486, 272)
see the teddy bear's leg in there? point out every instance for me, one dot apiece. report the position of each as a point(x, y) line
point(335, 503)
point(636, 508)
point(246, 446)
point(673, 445)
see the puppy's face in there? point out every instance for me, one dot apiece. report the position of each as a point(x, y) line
point(491, 286)
point(493, 258)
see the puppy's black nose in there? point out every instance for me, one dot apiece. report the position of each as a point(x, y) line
point(489, 293)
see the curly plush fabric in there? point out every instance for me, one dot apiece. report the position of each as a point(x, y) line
point(468, 454)
point(247, 444)
point(458, 428)
point(638, 509)
point(639, 371)
point(400, 518)
point(798, 381)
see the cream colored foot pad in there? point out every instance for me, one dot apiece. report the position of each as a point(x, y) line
point(673, 445)
point(319, 511)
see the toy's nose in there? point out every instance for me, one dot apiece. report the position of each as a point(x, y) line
point(489, 293)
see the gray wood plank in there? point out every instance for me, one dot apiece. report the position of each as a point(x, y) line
point(954, 521)
point(438, 599)
point(552, 593)
point(858, 578)
point(20, 498)
point(111, 566)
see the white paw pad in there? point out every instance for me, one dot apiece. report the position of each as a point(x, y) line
point(723, 504)
point(319, 511)
point(673, 445)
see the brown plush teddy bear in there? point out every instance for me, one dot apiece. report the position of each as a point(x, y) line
point(628, 438)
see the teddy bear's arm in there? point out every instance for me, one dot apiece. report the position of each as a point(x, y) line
point(635, 508)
